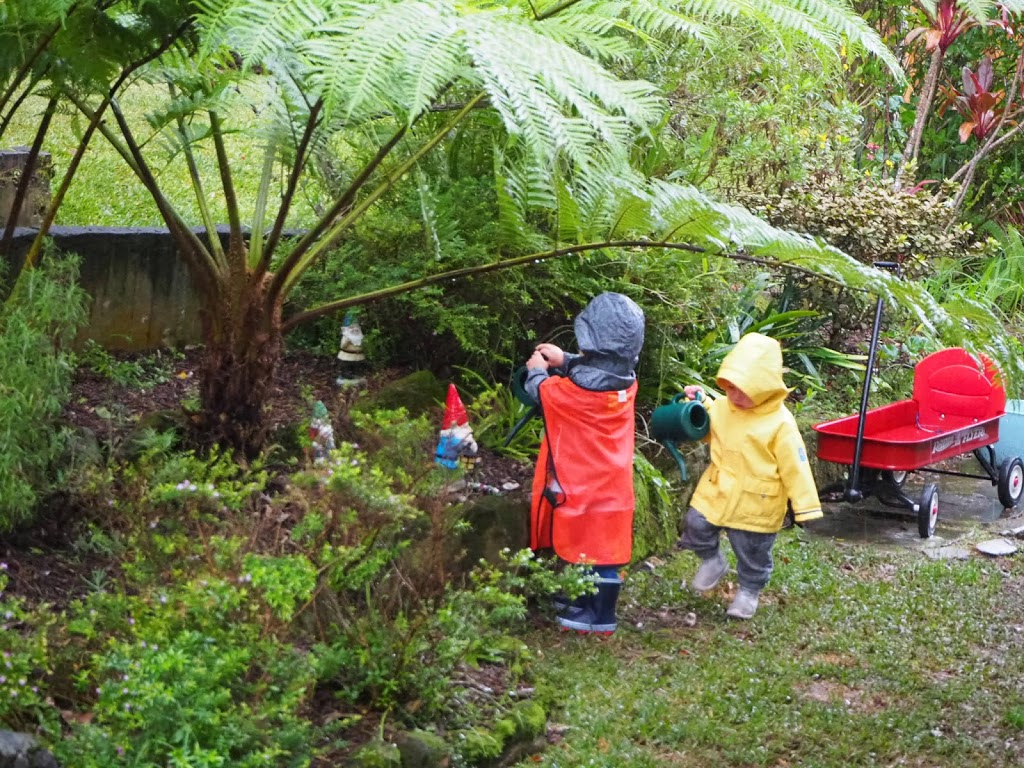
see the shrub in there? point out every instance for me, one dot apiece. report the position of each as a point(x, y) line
point(188, 675)
point(870, 220)
point(37, 322)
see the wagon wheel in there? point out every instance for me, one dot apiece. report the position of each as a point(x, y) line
point(928, 511)
point(1011, 481)
point(895, 477)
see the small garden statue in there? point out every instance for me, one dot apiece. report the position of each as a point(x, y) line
point(351, 339)
point(321, 433)
point(456, 441)
point(351, 352)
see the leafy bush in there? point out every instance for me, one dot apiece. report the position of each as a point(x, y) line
point(870, 220)
point(37, 322)
point(137, 372)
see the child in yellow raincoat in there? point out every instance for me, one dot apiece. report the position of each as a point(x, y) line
point(758, 464)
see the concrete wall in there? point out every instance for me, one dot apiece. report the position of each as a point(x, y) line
point(142, 297)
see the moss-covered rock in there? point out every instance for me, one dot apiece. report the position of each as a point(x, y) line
point(418, 393)
point(529, 718)
point(423, 749)
point(377, 754)
point(478, 746)
point(658, 510)
point(493, 523)
point(521, 732)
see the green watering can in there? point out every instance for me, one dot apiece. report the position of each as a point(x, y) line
point(680, 421)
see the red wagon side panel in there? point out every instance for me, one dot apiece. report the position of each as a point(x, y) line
point(956, 408)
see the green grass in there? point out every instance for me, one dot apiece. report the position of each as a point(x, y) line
point(856, 657)
point(104, 191)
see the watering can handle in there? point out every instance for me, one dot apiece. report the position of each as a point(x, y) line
point(698, 396)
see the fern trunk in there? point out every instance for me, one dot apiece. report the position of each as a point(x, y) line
point(243, 345)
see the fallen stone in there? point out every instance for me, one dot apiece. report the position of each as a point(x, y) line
point(996, 547)
point(948, 553)
point(1015, 532)
point(19, 750)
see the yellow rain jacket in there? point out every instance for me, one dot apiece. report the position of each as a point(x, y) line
point(758, 458)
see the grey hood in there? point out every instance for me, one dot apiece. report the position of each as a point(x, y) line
point(611, 326)
point(610, 334)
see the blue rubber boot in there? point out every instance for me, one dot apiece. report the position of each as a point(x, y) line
point(598, 616)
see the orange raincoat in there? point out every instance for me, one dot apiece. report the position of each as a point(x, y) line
point(583, 484)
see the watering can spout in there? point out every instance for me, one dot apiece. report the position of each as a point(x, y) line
point(671, 448)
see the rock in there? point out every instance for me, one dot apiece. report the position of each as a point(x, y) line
point(948, 553)
point(422, 749)
point(418, 393)
point(996, 547)
point(19, 750)
point(494, 523)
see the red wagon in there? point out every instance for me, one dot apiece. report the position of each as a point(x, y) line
point(956, 406)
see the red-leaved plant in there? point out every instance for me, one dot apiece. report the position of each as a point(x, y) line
point(977, 103)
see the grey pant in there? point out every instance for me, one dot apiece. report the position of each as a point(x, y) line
point(753, 550)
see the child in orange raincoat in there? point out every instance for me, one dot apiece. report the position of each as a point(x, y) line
point(583, 484)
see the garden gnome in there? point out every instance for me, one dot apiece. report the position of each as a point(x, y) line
point(351, 351)
point(456, 439)
point(321, 433)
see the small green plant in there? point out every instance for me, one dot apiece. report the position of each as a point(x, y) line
point(24, 661)
point(187, 676)
point(139, 372)
point(501, 423)
point(413, 655)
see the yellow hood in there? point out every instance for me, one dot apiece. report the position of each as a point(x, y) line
point(755, 366)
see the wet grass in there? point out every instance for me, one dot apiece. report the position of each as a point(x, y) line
point(856, 657)
point(105, 193)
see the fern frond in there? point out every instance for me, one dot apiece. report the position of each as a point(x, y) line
point(257, 28)
point(841, 18)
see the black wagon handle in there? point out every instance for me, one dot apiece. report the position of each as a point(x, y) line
point(853, 492)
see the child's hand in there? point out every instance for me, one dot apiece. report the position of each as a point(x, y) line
point(554, 355)
point(692, 390)
point(537, 361)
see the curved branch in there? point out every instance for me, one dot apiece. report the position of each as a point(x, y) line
point(518, 261)
point(230, 197)
point(51, 214)
point(21, 193)
point(216, 250)
point(341, 207)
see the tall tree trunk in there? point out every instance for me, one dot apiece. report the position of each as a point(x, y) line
point(243, 345)
point(924, 107)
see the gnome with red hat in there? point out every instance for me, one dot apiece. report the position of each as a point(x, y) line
point(456, 439)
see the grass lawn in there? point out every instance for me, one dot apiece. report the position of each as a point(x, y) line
point(857, 657)
point(105, 192)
